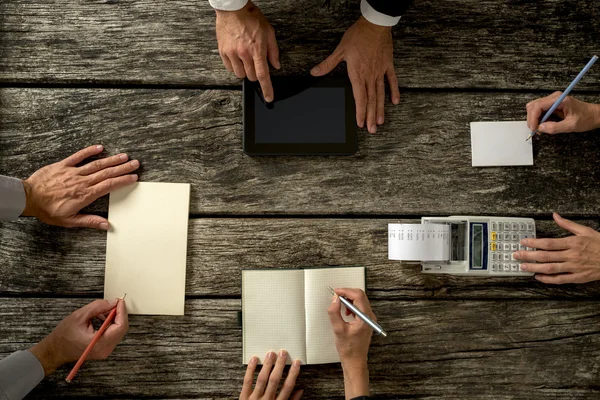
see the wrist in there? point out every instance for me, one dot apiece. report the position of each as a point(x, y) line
point(356, 379)
point(45, 352)
point(29, 204)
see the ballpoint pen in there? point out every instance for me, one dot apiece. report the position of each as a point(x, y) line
point(565, 93)
point(359, 314)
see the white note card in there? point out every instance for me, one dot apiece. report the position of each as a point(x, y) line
point(419, 242)
point(146, 247)
point(500, 144)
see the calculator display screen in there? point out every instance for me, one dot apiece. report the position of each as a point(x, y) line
point(477, 246)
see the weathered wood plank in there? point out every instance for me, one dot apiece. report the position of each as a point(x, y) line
point(418, 164)
point(450, 349)
point(457, 44)
point(35, 258)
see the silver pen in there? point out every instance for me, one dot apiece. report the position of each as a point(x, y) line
point(378, 329)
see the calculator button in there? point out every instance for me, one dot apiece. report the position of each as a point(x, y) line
point(506, 256)
point(494, 267)
point(494, 226)
point(506, 236)
point(514, 267)
point(529, 227)
point(521, 247)
point(507, 226)
point(494, 257)
point(499, 226)
point(514, 226)
point(514, 246)
point(521, 226)
point(493, 246)
point(525, 236)
point(494, 236)
point(506, 246)
point(506, 267)
point(514, 237)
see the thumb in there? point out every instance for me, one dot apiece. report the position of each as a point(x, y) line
point(556, 127)
point(327, 65)
point(273, 51)
point(89, 221)
point(335, 317)
point(571, 226)
point(96, 308)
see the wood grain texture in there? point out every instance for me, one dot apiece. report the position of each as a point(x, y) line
point(35, 258)
point(451, 349)
point(418, 164)
point(438, 44)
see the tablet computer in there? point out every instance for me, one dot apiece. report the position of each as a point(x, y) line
point(309, 116)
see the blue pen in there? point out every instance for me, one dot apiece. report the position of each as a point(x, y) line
point(565, 93)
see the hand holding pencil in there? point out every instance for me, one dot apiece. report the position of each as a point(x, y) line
point(72, 335)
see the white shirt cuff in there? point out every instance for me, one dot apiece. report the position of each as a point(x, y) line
point(20, 372)
point(228, 5)
point(375, 17)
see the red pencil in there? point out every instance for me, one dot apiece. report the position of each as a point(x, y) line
point(107, 322)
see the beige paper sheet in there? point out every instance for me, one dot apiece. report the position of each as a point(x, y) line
point(273, 313)
point(320, 340)
point(146, 247)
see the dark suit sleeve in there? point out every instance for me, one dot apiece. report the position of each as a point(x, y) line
point(393, 8)
point(384, 12)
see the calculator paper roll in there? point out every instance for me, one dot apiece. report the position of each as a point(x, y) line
point(419, 242)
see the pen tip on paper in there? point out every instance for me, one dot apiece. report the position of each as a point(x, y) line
point(123, 298)
point(68, 380)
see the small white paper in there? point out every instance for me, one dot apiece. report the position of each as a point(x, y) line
point(419, 242)
point(500, 144)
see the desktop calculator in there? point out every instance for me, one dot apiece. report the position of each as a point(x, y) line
point(482, 245)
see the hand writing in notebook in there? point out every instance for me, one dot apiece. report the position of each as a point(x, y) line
point(268, 380)
point(352, 340)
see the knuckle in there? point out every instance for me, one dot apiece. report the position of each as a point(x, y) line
point(274, 379)
point(248, 380)
point(261, 381)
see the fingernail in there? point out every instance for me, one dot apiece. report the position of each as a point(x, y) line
point(297, 363)
point(516, 254)
point(113, 302)
point(315, 70)
point(282, 353)
point(278, 65)
point(135, 163)
point(380, 120)
point(524, 267)
point(270, 355)
point(123, 157)
point(104, 226)
point(134, 177)
point(268, 99)
point(335, 299)
point(373, 129)
point(396, 100)
point(361, 124)
point(99, 147)
point(253, 360)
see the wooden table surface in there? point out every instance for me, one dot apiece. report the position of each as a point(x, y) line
point(144, 77)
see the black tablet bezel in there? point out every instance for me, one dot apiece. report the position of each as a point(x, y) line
point(349, 147)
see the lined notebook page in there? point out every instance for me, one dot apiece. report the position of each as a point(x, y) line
point(273, 313)
point(320, 340)
point(146, 247)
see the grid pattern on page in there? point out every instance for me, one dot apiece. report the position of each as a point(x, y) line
point(273, 313)
point(146, 247)
point(320, 340)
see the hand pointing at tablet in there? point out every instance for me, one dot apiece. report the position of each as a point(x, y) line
point(368, 51)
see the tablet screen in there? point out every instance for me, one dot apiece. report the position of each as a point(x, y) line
point(314, 115)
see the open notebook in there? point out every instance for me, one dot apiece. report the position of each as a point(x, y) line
point(287, 309)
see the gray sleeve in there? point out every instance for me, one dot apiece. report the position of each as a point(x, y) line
point(12, 198)
point(19, 374)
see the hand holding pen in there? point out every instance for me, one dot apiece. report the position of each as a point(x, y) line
point(352, 340)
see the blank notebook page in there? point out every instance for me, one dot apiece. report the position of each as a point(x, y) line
point(273, 313)
point(146, 247)
point(500, 144)
point(320, 340)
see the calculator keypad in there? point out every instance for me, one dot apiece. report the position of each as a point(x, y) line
point(505, 238)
